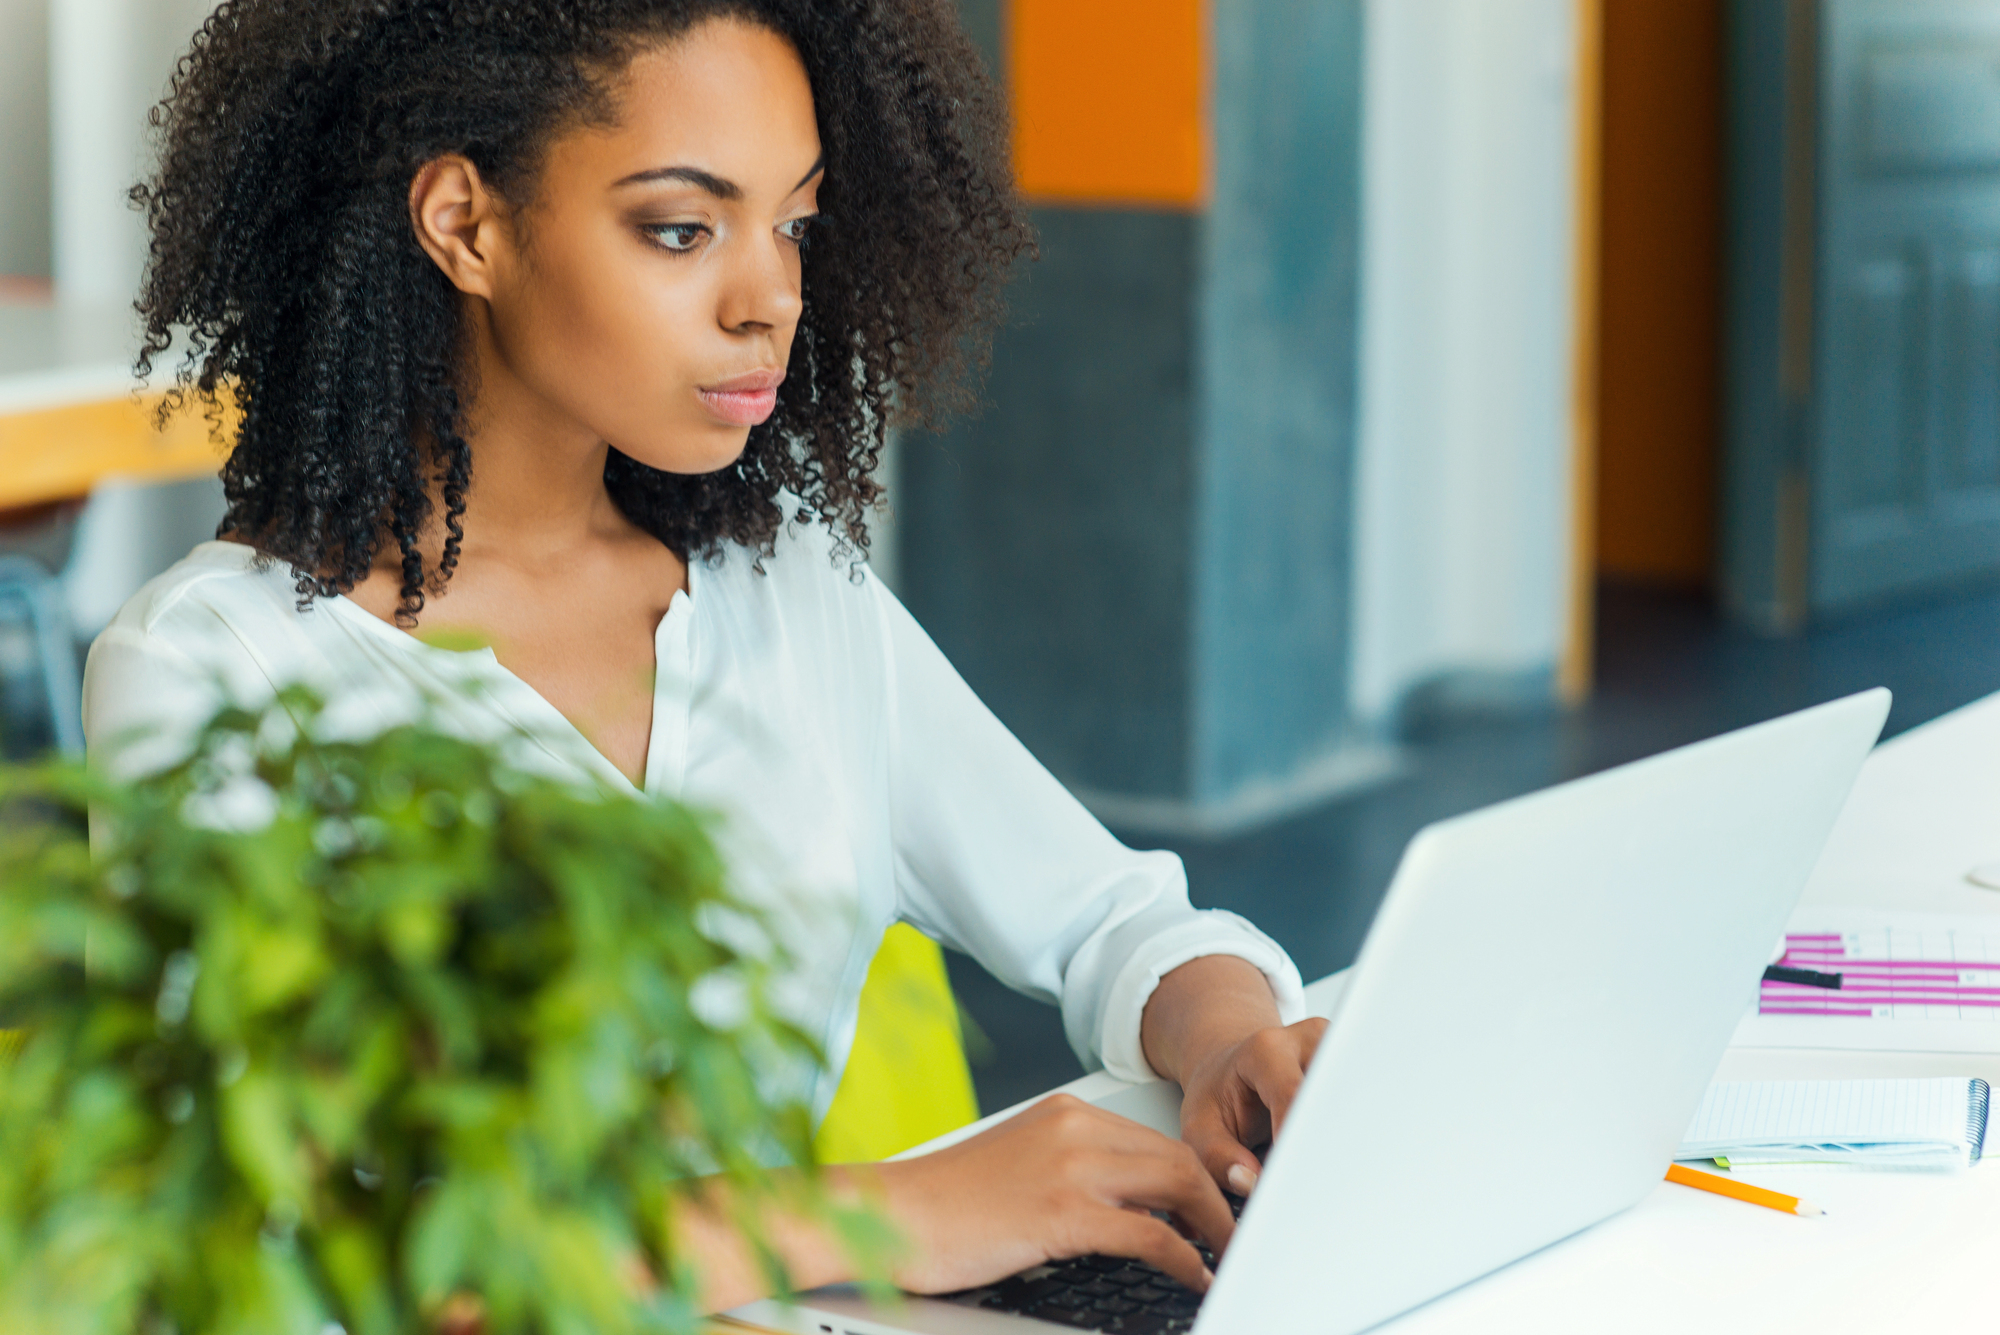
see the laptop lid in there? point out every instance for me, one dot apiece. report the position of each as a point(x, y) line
point(1537, 1009)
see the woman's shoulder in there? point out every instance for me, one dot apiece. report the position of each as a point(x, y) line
point(809, 569)
point(177, 649)
point(224, 582)
point(222, 616)
point(808, 607)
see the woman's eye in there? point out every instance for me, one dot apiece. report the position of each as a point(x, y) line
point(798, 229)
point(678, 236)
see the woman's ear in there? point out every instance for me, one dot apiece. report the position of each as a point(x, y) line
point(459, 223)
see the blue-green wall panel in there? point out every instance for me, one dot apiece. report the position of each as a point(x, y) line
point(1278, 308)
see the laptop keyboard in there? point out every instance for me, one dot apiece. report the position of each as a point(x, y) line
point(1103, 1293)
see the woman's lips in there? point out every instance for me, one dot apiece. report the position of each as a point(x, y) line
point(744, 400)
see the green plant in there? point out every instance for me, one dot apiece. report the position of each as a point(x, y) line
point(328, 1034)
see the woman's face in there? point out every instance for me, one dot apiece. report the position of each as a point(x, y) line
point(650, 292)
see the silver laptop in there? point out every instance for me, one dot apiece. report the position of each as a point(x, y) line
point(1538, 1007)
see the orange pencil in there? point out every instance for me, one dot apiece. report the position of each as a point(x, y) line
point(1742, 1191)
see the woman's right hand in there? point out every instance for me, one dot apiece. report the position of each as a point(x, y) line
point(1061, 1179)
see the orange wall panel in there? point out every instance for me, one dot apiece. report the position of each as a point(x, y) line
point(1109, 101)
point(1659, 380)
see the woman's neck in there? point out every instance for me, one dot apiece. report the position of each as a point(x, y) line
point(537, 471)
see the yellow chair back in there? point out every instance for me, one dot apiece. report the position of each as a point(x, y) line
point(906, 1080)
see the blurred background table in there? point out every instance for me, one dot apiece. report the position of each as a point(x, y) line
point(76, 424)
point(72, 414)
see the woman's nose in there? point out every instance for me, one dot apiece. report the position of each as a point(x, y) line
point(762, 289)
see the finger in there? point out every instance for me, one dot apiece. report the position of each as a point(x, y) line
point(1147, 1239)
point(1076, 1122)
point(1170, 1178)
point(1131, 1164)
point(1221, 1151)
point(1278, 1067)
point(1277, 1085)
point(1312, 1030)
point(1134, 1165)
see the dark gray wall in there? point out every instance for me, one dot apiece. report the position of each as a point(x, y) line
point(982, 24)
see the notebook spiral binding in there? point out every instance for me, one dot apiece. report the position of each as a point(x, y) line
point(1975, 1117)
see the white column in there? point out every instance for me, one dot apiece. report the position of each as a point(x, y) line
point(24, 138)
point(109, 61)
point(1463, 471)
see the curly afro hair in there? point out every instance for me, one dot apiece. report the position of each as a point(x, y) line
point(283, 253)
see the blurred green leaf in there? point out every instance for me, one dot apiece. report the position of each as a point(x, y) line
point(327, 1031)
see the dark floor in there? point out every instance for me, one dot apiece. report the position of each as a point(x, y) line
point(1669, 671)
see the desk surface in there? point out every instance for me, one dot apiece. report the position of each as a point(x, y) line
point(1896, 1251)
point(71, 413)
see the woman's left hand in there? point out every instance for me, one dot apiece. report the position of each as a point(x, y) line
point(1213, 1025)
point(1238, 1097)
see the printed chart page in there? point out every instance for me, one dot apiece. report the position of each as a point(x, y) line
point(1910, 982)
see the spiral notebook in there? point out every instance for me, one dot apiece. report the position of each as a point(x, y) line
point(1928, 1123)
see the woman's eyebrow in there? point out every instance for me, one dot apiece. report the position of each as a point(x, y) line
point(707, 181)
point(694, 176)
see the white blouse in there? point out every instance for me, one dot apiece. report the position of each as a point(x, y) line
point(858, 780)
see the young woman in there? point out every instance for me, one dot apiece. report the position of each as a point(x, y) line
point(573, 326)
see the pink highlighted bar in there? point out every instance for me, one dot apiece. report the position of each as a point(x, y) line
point(1898, 985)
point(1947, 1002)
point(1847, 965)
point(1852, 979)
point(1915, 968)
point(1816, 1010)
point(1935, 996)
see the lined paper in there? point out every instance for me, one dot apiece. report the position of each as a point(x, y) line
point(1766, 1121)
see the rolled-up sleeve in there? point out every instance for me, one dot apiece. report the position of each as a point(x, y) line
point(996, 859)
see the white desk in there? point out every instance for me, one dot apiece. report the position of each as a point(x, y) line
point(1896, 1252)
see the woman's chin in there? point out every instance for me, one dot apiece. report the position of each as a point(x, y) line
point(710, 452)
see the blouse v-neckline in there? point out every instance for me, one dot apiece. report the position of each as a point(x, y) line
point(530, 712)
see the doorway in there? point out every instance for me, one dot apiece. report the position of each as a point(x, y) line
point(1660, 294)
